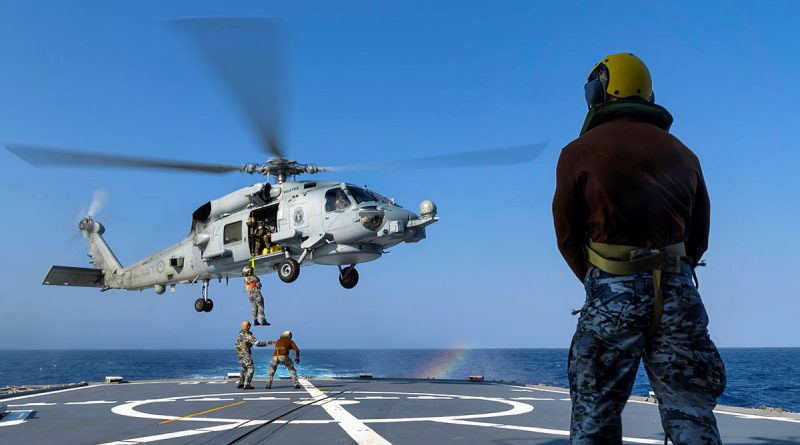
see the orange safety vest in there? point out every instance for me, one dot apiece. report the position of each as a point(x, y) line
point(282, 346)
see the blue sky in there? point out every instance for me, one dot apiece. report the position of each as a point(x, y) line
point(373, 81)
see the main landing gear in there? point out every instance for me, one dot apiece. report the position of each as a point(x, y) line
point(288, 270)
point(348, 277)
point(204, 304)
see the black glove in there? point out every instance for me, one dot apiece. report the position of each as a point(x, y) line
point(297, 360)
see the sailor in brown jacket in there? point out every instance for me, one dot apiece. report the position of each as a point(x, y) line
point(631, 215)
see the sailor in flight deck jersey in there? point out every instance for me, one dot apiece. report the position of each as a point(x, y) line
point(631, 215)
point(281, 355)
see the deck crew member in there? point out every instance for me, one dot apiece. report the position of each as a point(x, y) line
point(631, 215)
point(252, 285)
point(281, 355)
point(244, 344)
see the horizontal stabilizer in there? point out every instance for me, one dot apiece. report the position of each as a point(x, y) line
point(74, 276)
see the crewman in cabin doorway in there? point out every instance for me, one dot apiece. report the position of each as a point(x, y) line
point(281, 355)
point(631, 215)
point(244, 345)
point(253, 286)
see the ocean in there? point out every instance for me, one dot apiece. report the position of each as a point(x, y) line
point(757, 377)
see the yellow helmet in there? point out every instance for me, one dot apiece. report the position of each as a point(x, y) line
point(620, 75)
point(246, 325)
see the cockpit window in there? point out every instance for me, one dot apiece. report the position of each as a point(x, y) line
point(361, 195)
point(336, 200)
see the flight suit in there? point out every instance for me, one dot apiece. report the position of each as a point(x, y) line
point(627, 182)
point(281, 355)
point(244, 345)
point(253, 285)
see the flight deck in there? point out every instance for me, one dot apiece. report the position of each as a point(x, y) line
point(337, 411)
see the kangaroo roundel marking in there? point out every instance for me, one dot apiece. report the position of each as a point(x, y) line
point(298, 216)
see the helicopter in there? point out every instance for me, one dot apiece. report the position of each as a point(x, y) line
point(277, 225)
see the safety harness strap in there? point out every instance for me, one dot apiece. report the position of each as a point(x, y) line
point(619, 259)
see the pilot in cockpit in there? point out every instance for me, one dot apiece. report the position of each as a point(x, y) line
point(342, 202)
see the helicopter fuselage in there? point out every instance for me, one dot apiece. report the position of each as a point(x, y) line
point(268, 226)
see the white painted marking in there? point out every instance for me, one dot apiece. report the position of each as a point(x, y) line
point(376, 398)
point(757, 417)
point(91, 402)
point(532, 398)
point(175, 435)
point(430, 398)
point(217, 383)
point(355, 428)
point(189, 383)
point(566, 399)
point(533, 429)
point(265, 398)
point(32, 404)
point(11, 423)
point(209, 399)
point(49, 392)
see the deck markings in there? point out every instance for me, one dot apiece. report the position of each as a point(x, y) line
point(376, 398)
point(202, 412)
point(430, 398)
point(32, 404)
point(50, 392)
point(209, 399)
point(355, 428)
point(91, 402)
point(265, 398)
point(532, 398)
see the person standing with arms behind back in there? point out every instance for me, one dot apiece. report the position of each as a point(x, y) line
point(631, 215)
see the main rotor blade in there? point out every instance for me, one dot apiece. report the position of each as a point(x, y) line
point(247, 55)
point(50, 156)
point(498, 156)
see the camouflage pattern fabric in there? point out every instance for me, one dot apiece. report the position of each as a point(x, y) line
point(254, 293)
point(244, 345)
point(285, 361)
point(682, 363)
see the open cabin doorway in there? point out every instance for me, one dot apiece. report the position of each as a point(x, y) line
point(261, 224)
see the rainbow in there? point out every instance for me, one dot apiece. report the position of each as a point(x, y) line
point(440, 367)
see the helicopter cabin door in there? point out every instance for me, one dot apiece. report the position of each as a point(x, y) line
point(234, 240)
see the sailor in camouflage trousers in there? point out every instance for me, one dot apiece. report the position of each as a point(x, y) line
point(244, 345)
point(632, 217)
point(253, 286)
point(682, 363)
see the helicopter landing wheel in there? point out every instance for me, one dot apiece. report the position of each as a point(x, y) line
point(199, 305)
point(288, 270)
point(208, 306)
point(348, 277)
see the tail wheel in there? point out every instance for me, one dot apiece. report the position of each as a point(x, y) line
point(199, 305)
point(288, 270)
point(209, 305)
point(348, 277)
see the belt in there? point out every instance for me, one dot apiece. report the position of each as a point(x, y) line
point(619, 259)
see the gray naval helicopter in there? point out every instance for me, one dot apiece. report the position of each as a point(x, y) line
point(277, 225)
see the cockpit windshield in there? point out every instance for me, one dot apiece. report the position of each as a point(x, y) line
point(362, 195)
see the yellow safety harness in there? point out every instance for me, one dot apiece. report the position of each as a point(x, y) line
point(618, 259)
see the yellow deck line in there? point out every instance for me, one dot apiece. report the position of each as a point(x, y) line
point(201, 412)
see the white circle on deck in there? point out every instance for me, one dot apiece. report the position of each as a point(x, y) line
point(516, 408)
